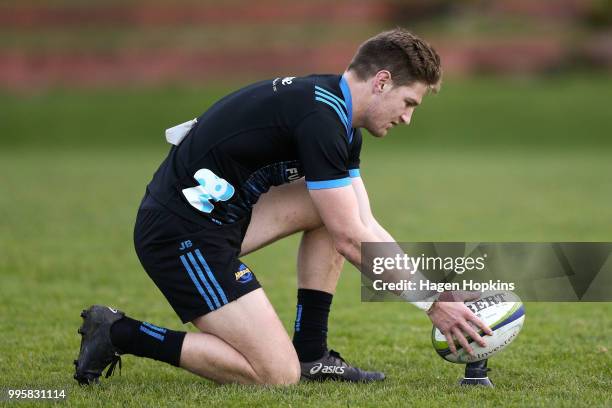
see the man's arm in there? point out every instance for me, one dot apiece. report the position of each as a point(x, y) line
point(346, 213)
point(365, 212)
point(339, 210)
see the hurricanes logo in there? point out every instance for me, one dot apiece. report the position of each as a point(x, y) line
point(244, 274)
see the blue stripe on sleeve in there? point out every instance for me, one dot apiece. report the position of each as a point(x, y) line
point(335, 102)
point(340, 114)
point(320, 185)
point(318, 88)
point(354, 173)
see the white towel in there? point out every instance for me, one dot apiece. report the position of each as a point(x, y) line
point(176, 134)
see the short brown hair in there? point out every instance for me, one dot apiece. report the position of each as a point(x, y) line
point(408, 58)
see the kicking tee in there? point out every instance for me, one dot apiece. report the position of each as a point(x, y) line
point(267, 134)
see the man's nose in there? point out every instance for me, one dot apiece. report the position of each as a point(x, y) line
point(407, 116)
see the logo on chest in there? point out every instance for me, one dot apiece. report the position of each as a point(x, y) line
point(211, 189)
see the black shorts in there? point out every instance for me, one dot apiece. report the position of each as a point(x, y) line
point(195, 267)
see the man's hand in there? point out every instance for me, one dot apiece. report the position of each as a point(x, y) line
point(451, 316)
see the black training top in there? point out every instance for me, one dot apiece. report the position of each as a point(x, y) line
point(267, 134)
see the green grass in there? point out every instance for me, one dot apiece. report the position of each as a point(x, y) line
point(65, 242)
point(553, 113)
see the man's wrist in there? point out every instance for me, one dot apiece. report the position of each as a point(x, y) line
point(424, 304)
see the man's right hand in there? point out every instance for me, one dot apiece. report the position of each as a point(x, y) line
point(452, 317)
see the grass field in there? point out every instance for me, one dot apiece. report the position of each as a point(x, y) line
point(68, 198)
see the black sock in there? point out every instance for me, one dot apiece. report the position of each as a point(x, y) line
point(310, 335)
point(147, 340)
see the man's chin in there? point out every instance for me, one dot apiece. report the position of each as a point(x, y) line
point(378, 132)
point(382, 133)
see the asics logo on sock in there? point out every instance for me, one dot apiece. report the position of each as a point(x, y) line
point(331, 369)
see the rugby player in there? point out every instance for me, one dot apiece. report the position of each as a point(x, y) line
point(277, 157)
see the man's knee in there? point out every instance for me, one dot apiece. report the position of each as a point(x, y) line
point(284, 372)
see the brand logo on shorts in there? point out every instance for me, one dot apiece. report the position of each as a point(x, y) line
point(326, 369)
point(111, 309)
point(244, 274)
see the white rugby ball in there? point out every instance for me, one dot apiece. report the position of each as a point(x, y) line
point(502, 311)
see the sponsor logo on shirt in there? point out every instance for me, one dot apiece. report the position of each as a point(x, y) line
point(211, 189)
point(287, 80)
point(284, 81)
point(293, 174)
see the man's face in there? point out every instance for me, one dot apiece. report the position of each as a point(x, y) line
point(392, 105)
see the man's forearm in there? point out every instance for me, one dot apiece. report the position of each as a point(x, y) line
point(380, 232)
point(375, 233)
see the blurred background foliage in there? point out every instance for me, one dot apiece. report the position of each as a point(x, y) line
point(517, 72)
point(70, 42)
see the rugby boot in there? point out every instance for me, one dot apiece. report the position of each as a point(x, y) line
point(97, 351)
point(333, 367)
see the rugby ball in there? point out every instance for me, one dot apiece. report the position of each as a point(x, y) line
point(502, 311)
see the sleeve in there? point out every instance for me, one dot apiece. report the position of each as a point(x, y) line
point(323, 150)
point(354, 153)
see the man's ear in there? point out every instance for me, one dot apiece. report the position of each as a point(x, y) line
point(382, 81)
